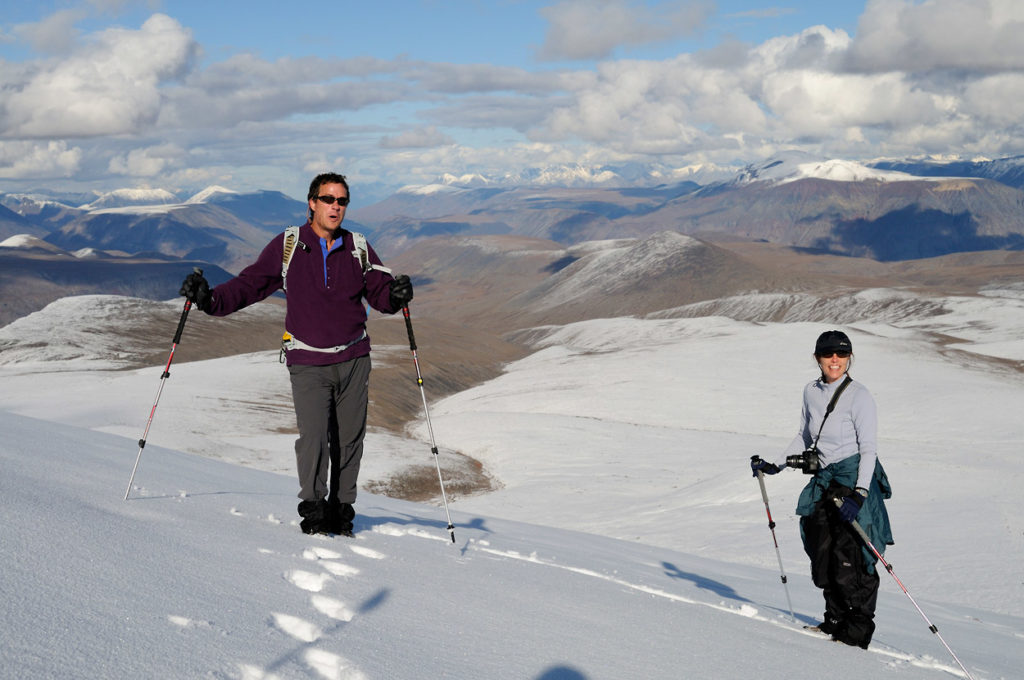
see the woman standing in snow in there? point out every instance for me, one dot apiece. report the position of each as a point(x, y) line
point(836, 443)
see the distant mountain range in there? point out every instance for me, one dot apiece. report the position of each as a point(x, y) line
point(794, 199)
point(216, 225)
point(885, 211)
point(34, 273)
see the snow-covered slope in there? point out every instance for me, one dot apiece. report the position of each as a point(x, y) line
point(203, 573)
point(627, 540)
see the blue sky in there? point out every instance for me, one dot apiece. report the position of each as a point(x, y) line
point(180, 95)
point(505, 32)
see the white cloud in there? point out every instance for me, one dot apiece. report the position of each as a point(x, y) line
point(246, 88)
point(592, 29)
point(975, 35)
point(31, 160)
point(815, 103)
point(998, 100)
point(109, 86)
point(147, 162)
point(917, 77)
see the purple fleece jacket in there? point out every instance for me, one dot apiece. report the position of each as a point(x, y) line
point(320, 313)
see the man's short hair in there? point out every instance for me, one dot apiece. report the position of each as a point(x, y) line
point(326, 178)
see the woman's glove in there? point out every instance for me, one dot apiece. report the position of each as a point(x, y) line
point(851, 505)
point(758, 464)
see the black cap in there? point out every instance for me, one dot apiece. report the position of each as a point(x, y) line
point(833, 341)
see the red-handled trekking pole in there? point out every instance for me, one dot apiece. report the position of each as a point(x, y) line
point(888, 567)
point(166, 374)
point(426, 412)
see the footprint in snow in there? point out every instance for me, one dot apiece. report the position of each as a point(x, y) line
point(326, 559)
point(395, 530)
point(314, 583)
point(339, 569)
point(367, 552)
point(330, 665)
point(389, 530)
point(333, 608)
point(317, 553)
point(300, 629)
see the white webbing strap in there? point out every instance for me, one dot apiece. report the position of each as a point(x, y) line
point(294, 343)
point(291, 239)
point(362, 253)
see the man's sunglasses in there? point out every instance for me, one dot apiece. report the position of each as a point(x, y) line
point(329, 200)
point(841, 353)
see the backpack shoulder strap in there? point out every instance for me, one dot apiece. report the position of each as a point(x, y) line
point(362, 254)
point(291, 239)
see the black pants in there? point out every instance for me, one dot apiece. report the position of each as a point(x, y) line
point(838, 567)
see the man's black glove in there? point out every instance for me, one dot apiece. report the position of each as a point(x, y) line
point(851, 505)
point(196, 289)
point(758, 464)
point(401, 292)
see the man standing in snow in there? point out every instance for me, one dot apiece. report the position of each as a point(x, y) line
point(326, 272)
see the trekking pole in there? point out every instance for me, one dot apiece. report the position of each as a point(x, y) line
point(426, 412)
point(771, 525)
point(888, 567)
point(166, 374)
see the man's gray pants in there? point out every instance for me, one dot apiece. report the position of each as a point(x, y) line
point(330, 411)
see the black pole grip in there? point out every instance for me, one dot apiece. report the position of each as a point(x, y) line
point(184, 312)
point(181, 322)
point(408, 328)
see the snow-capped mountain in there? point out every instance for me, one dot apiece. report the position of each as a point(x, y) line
point(797, 165)
point(1009, 171)
point(581, 176)
point(120, 198)
point(211, 193)
point(28, 242)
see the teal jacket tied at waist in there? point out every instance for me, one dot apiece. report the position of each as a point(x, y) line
point(873, 517)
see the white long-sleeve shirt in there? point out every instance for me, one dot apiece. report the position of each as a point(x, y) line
point(851, 428)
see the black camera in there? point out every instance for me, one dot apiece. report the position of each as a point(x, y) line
point(806, 461)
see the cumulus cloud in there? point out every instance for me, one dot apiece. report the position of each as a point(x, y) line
point(246, 88)
point(802, 90)
point(109, 86)
point(918, 76)
point(592, 29)
point(31, 160)
point(148, 161)
point(971, 35)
